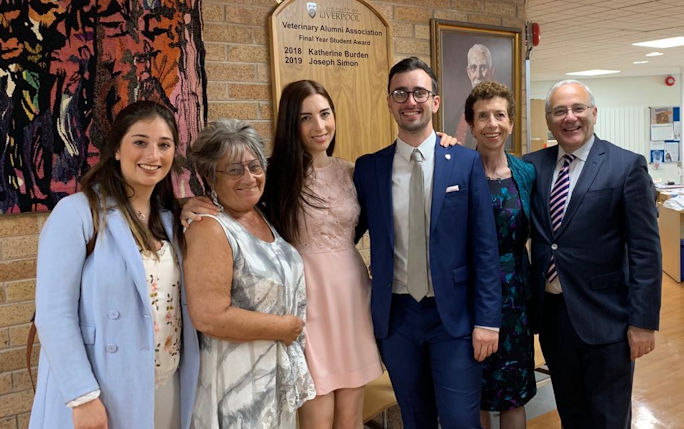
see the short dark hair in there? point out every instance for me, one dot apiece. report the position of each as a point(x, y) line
point(410, 64)
point(487, 91)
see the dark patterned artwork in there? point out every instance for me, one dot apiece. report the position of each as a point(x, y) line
point(68, 66)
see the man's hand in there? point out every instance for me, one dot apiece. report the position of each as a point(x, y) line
point(641, 341)
point(91, 415)
point(196, 205)
point(485, 342)
point(446, 140)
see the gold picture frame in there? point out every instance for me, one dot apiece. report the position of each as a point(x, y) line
point(450, 43)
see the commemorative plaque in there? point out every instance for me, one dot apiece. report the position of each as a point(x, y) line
point(345, 46)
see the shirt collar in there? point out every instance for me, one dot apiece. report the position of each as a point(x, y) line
point(582, 153)
point(426, 148)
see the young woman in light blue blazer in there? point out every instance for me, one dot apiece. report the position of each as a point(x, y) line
point(118, 348)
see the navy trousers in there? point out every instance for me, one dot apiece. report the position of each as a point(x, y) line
point(432, 372)
point(592, 384)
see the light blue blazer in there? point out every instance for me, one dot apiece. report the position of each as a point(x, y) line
point(94, 323)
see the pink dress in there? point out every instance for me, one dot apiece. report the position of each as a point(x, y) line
point(340, 347)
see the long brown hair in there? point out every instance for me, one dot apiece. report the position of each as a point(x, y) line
point(286, 193)
point(105, 181)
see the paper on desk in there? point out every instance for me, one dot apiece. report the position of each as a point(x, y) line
point(675, 203)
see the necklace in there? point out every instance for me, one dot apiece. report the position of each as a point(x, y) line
point(497, 176)
point(140, 215)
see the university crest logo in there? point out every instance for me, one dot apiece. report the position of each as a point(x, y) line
point(311, 8)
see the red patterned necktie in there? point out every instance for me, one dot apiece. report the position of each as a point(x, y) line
point(559, 196)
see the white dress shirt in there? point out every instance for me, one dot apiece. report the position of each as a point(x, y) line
point(576, 167)
point(401, 178)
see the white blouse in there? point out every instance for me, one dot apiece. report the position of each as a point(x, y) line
point(163, 281)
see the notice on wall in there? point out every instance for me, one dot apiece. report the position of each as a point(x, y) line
point(345, 46)
point(662, 123)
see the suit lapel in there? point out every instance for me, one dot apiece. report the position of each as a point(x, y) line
point(383, 174)
point(123, 237)
point(546, 169)
point(440, 180)
point(596, 156)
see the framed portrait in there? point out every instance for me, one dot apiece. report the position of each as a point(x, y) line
point(464, 55)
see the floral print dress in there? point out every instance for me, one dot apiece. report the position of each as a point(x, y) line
point(508, 375)
point(163, 282)
point(164, 288)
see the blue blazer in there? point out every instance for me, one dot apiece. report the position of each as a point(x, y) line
point(607, 249)
point(463, 251)
point(93, 318)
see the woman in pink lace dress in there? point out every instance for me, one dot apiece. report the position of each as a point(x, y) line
point(311, 200)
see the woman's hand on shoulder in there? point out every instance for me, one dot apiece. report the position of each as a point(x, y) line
point(91, 415)
point(193, 207)
point(292, 327)
point(446, 140)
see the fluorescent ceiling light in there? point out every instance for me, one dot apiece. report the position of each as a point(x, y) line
point(654, 54)
point(639, 62)
point(592, 72)
point(670, 42)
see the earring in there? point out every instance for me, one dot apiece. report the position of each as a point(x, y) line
point(117, 156)
point(214, 199)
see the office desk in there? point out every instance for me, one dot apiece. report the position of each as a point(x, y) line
point(671, 227)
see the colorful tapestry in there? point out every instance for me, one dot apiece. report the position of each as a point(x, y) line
point(68, 66)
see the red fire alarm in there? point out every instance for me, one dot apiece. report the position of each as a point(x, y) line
point(670, 80)
point(536, 34)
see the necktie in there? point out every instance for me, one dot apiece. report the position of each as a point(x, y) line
point(417, 278)
point(559, 195)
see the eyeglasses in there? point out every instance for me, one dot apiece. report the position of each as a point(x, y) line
point(559, 112)
point(237, 169)
point(420, 95)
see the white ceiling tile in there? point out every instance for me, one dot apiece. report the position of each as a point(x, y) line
point(584, 34)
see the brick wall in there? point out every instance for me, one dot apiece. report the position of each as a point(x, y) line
point(18, 245)
point(238, 69)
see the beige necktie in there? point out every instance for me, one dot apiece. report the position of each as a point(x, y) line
point(417, 278)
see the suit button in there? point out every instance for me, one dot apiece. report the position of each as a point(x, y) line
point(112, 348)
point(113, 314)
point(554, 246)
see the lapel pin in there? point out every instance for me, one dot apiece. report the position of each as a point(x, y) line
point(447, 156)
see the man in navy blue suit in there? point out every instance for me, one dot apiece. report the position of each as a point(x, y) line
point(436, 293)
point(596, 263)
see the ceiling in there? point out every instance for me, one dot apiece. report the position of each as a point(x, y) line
point(580, 35)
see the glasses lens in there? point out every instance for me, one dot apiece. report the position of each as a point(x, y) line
point(399, 95)
point(235, 170)
point(255, 167)
point(559, 112)
point(421, 95)
point(578, 109)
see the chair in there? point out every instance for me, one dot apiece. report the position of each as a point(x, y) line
point(378, 397)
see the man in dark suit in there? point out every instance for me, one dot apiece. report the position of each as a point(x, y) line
point(436, 293)
point(596, 263)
